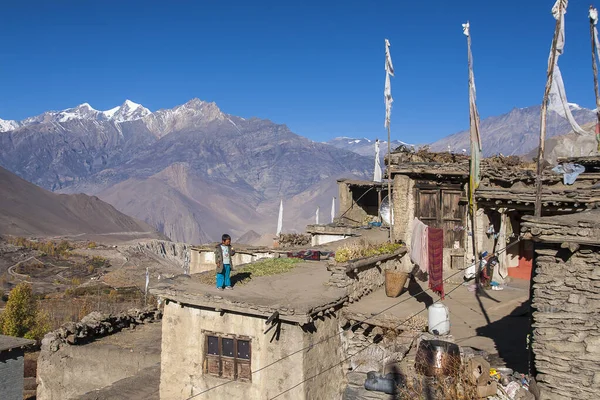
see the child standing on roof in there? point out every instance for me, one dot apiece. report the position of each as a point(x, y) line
point(223, 254)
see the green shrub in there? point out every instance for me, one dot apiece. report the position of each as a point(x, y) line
point(22, 317)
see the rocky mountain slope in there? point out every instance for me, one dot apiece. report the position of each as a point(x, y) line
point(569, 145)
point(28, 210)
point(516, 132)
point(193, 172)
point(364, 147)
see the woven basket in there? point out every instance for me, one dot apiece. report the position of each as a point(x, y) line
point(394, 282)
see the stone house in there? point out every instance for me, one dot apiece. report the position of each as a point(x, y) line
point(275, 335)
point(202, 258)
point(566, 305)
point(434, 188)
point(12, 366)
point(360, 200)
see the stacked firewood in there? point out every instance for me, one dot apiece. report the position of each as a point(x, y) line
point(293, 240)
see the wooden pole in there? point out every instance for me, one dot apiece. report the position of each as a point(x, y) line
point(379, 204)
point(389, 157)
point(543, 116)
point(595, 70)
point(473, 205)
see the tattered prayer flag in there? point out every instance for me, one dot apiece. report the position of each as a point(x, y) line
point(387, 92)
point(377, 173)
point(280, 219)
point(475, 136)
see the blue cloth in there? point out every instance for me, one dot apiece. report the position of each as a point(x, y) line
point(570, 172)
point(224, 278)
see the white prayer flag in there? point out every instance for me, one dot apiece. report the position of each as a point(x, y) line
point(332, 209)
point(317, 216)
point(389, 67)
point(280, 219)
point(466, 28)
point(593, 15)
point(557, 99)
point(147, 281)
point(387, 92)
point(377, 172)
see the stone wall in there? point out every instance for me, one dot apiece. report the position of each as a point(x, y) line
point(566, 339)
point(95, 325)
point(566, 304)
point(366, 277)
point(87, 355)
point(375, 346)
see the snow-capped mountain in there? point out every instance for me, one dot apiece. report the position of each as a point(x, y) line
point(128, 111)
point(364, 146)
point(8, 125)
point(193, 114)
point(191, 171)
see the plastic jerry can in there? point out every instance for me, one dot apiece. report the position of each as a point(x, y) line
point(438, 319)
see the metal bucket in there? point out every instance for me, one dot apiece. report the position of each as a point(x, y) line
point(437, 358)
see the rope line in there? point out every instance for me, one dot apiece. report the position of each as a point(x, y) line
point(358, 323)
point(359, 351)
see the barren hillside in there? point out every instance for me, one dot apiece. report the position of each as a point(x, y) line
point(28, 210)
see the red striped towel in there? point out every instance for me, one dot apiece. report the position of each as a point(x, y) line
point(436, 260)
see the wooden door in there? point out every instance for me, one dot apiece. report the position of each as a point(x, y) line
point(429, 207)
point(452, 218)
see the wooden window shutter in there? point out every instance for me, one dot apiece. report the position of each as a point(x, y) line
point(213, 359)
point(429, 207)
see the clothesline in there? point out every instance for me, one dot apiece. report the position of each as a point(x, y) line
point(427, 251)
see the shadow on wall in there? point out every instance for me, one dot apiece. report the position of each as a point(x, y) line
point(510, 336)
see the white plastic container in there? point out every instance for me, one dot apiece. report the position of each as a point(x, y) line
point(439, 319)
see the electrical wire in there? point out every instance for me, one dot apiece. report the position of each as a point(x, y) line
point(357, 323)
point(359, 351)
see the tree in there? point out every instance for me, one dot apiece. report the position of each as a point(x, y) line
point(22, 317)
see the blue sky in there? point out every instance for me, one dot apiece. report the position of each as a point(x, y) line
point(316, 66)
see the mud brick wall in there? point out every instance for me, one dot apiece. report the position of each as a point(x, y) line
point(566, 321)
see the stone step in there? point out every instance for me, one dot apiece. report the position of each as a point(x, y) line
point(356, 390)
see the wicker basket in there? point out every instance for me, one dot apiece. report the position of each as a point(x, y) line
point(394, 282)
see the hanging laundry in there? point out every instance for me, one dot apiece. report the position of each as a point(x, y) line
point(436, 260)
point(570, 172)
point(419, 245)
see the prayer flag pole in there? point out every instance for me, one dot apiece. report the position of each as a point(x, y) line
point(387, 94)
point(476, 149)
point(593, 16)
point(544, 111)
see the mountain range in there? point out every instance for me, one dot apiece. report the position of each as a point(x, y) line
point(363, 146)
point(193, 172)
point(516, 132)
point(128, 111)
